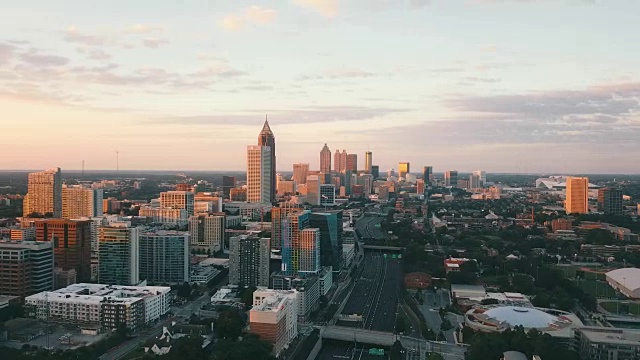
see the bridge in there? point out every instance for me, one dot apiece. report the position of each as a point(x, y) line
point(381, 247)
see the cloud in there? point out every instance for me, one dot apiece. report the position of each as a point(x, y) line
point(251, 15)
point(327, 8)
point(154, 43)
point(34, 57)
point(7, 52)
point(307, 115)
point(72, 34)
point(340, 73)
point(143, 29)
point(94, 54)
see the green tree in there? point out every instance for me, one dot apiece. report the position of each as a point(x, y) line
point(396, 351)
point(229, 325)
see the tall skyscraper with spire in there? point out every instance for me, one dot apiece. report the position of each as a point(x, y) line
point(325, 160)
point(266, 138)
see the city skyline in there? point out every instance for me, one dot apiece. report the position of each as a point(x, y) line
point(185, 86)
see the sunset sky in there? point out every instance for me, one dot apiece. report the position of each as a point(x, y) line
point(498, 85)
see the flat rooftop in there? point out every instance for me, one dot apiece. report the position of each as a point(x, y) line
point(611, 335)
point(95, 293)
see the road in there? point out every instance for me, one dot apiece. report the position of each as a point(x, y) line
point(369, 228)
point(448, 351)
point(433, 301)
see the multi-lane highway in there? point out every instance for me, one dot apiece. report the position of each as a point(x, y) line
point(369, 228)
point(375, 294)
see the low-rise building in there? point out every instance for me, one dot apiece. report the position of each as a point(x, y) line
point(600, 343)
point(326, 280)
point(274, 317)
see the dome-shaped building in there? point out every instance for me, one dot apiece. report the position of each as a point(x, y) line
point(500, 318)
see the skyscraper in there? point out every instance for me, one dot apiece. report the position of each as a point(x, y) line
point(368, 162)
point(403, 169)
point(228, 183)
point(474, 181)
point(610, 201)
point(164, 257)
point(44, 193)
point(325, 160)
point(451, 178)
point(375, 171)
point(259, 174)
point(427, 172)
point(26, 267)
point(207, 232)
point(80, 202)
point(249, 260)
point(352, 163)
point(313, 189)
point(118, 255)
point(300, 171)
point(309, 251)
point(330, 225)
point(266, 138)
point(340, 161)
point(577, 201)
point(177, 200)
point(278, 216)
point(291, 229)
point(327, 194)
point(71, 245)
point(482, 175)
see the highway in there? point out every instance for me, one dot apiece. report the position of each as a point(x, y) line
point(369, 228)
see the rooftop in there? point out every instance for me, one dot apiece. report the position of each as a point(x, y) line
point(611, 335)
point(95, 293)
point(627, 277)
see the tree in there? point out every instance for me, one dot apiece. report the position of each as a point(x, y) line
point(184, 290)
point(247, 296)
point(523, 283)
point(396, 351)
point(401, 325)
point(229, 325)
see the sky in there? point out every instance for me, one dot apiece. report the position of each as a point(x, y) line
point(499, 85)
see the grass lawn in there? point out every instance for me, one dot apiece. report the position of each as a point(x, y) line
point(624, 308)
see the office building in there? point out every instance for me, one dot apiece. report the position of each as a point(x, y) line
point(403, 169)
point(610, 201)
point(98, 306)
point(313, 189)
point(259, 174)
point(463, 184)
point(238, 194)
point(300, 171)
point(164, 257)
point(266, 138)
point(577, 201)
point(26, 267)
point(44, 194)
point(451, 178)
point(325, 160)
point(482, 175)
point(165, 216)
point(177, 200)
point(118, 249)
point(207, 232)
point(249, 260)
point(420, 188)
point(278, 216)
point(366, 181)
point(292, 226)
point(309, 251)
point(340, 161)
point(80, 202)
point(274, 317)
point(330, 225)
point(352, 163)
point(427, 174)
point(286, 187)
point(228, 183)
point(375, 171)
point(474, 181)
point(308, 290)
point(327, 195)
point(71, 243)
point(111, 205)
point(23, 234)
point(601, 343)
point(368, 162)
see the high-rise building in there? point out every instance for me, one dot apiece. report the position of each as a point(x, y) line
point(610, 201)
point(313, 189)
point(26, 267)
point(451, 178)
point(330, 225)
point(482, 175)
point(207, 232)
point(249, 260)
point(577, 200)
point(228, 183)
point(44, 193)
point(403, 169)
point(118, 255)
point(368, 162)
point(266, 138)
point(177, 200)
point(474, 181)
point(286, 187)
point(71, 244)
point(375, 171)
point(340, 161)
point(274, 317)
point(325, 160)
point(292, 226)
point(327, 194)
point(427, 173)
point(420, 186)
point(278, 216)
point(260, 183)
point(309, 251)
point(352, 162)
point(164, 257)
point(238, 194)
point(300, 171)
point(80, 202)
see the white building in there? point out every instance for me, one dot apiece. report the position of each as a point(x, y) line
point(259, 169)
point(326, 280)
point(625, 280)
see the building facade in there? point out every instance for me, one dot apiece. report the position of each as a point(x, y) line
point(352, 163)
point(274, 317)
point(403, 169)
point(249, 260)
point(451, 178)
point(291, 228)
point(259, 170)
point(26, 267)
point(330, 225)
point(313, 189)
point(178, 200)
point(71, 243)
point(308, 252)
point(278, 216)
point(44, 193)
point(118, 255)
point(340, 161)
point(164, 257)
point(80, 202)
point(266, 138)
point(577, 200)
point(228, 183)
point(327, 194)
point(427, 173)
point(207, 232)
point(600, 343)
point(325, 160)
point(300, 171)
point(610, 201)
point(368, 162)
